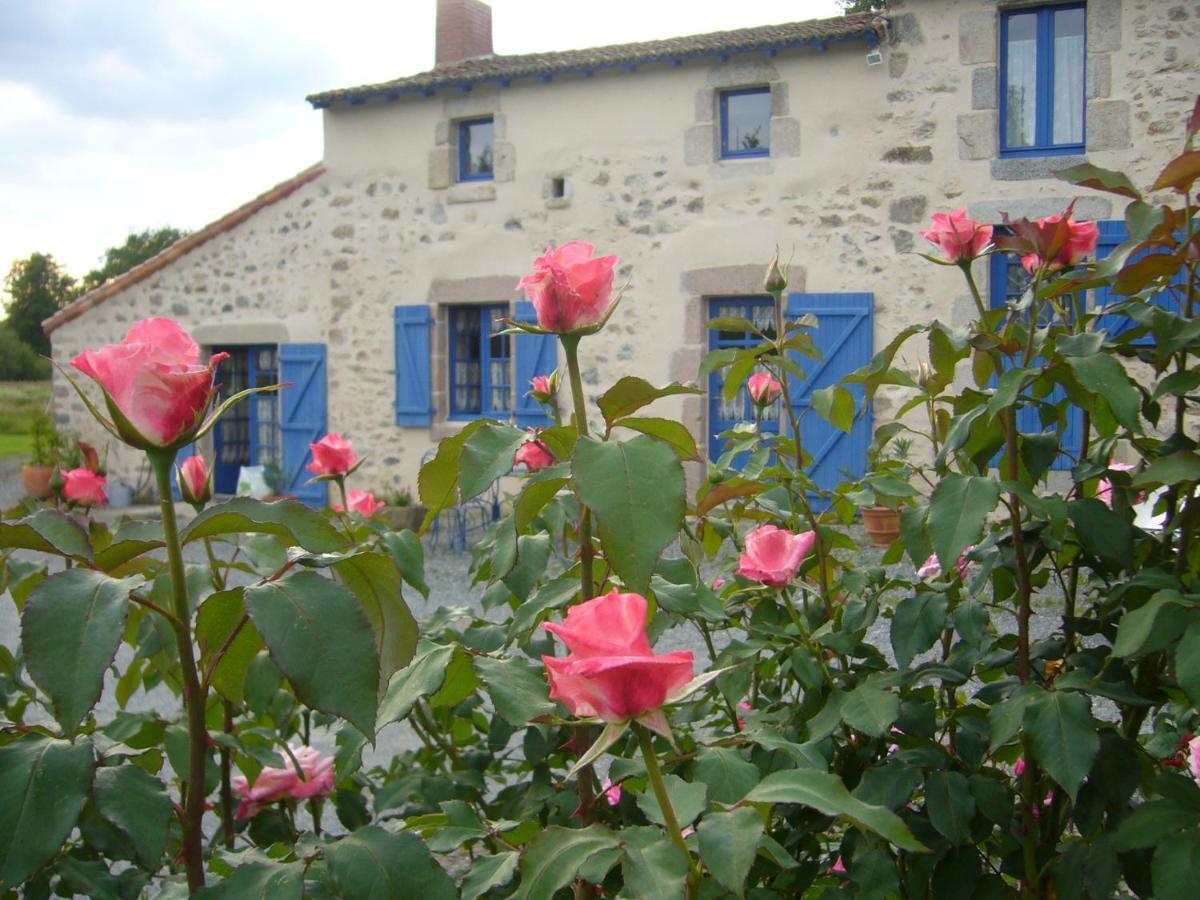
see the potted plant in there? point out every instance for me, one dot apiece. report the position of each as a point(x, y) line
point(401, 512)
point(886, 489)
point(47, 455)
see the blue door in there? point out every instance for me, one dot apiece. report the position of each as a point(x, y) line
point(722, 414)
point(247, 435)
point(303, 406)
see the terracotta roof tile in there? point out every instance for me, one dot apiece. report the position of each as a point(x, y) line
point(180, 248)
point(860, 26)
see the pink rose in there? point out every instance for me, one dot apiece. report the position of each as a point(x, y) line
point(611, 671)
point(570, 287)
point(83, 487)
point(931, 568)
point(1080, 243)
point(764, 389)
point(533, 455)
point(195, 481)
point(741, 723)
point(544, 387)
point(155, 387)
point(960, 239)
point(838, 868)
point(1104, 488)
point(612, 792)
point(363, 503)
point(773, 555)
point(1193, 757)
point(333, 456)
point(279, 784)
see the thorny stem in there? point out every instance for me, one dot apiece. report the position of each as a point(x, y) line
point(193, 694)
point(664, 802)
point(227, 825)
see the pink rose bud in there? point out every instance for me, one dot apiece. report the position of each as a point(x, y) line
point(764, 389)
point(612, 792)
point(544, 387)
point(1080, 243)
point(83, 487)
point(364, 503)
point(960, 239)
point(611, 671)
point(776, 280)
point(314, 780)
point(533, 455)
point(195, 481)
point(838, 868)
point(964, 563)
point(773, 555)
point(719, 583)
point(931, 568)
point(1019, 768)
point(570, 287)
point(333, 456)
point(154, 385)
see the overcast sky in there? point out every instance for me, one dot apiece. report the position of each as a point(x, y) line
point(118, 115)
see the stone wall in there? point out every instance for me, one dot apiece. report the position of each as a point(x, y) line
point(861, 156)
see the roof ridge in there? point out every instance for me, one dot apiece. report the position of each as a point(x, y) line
point(180, 248)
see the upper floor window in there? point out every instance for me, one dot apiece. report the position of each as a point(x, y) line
point(480, 362)
point(1042, 52)
point(746, 122)
point(475, 150)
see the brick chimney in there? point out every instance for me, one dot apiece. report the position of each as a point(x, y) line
point(464, 30)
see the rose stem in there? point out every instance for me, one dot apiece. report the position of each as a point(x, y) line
point(664, 799)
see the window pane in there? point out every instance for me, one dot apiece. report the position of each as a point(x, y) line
point(1068, 76)
point(1020, 127)
point(748, 122)
point(477, 148)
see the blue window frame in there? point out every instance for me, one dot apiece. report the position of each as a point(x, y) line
point(480, 363)
point(1042, 72)
point(724, 415)
point(746, 123)
point(476, 150)
point(248, 434)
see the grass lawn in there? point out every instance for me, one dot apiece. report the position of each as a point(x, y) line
point(18, 401)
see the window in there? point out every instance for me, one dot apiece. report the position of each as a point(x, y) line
point(475, 150)
point(722, 414)
point(1042, 74)
point(746, 123)
point(248, 434)
point(480, 363)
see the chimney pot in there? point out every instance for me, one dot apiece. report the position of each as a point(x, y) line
point(464, 31)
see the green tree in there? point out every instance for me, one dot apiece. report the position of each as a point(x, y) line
point(138, 247)
point(18, 362)
point(857, 6)
point(39, 288)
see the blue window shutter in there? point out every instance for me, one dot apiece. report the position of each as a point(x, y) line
point(303, 417)
point(846, 337)
point(537, 354)
point(414, 405)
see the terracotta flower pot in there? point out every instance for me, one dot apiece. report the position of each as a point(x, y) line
point(882, 524)
point(37, 481)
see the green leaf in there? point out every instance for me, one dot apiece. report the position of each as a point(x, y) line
point(1176, 867)
point(950, 805)
point(70, 631)
point(259, 881)
point(836, 404)
point(652, 865)
point(409, 557)
point(631, 393)
point(519, 689)
point(916, 624)
point(826, 794)
point(1096, 178)
point(47, 531)
point(423, 676)
point(287, 519)
point(1008, 389)
point(1151, 822)
point(1102, 532)
point(728, 844)
point(556, 855)
point(958, 511)
point(688, 799)
point(551, 595)
point(666, 430)
point(1062, 736)
point(1138, 625)
point(44, 784)
point(1181, 466)
point(489, 872)
point(728, 775)
point(376, 583)
point(534, 497)
point(488, 454)
point(373, 864)
point(216, 619)
point(1104, 376)
point(1006, 717)
point(137, 803)
point(1083, 344)
point(636, 490)
point(319, 637)
point(870, 709)
point(1187, 662)
point(437, 482)
point(533, 552)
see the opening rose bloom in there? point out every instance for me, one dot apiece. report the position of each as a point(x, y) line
point(611, 671)
point(533, 455)
point(195, 481)
point(570, 287)
point(333, 456)
point(154, 385)
point(363, 503)
point(273, 785)
point(773, 555)
point(960, 239)
point(764, 388)
point(932, 567)
point(83, 487)
point(543, 387)
point(1081, 243)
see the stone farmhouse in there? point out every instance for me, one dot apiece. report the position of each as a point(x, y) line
point(372, 280)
